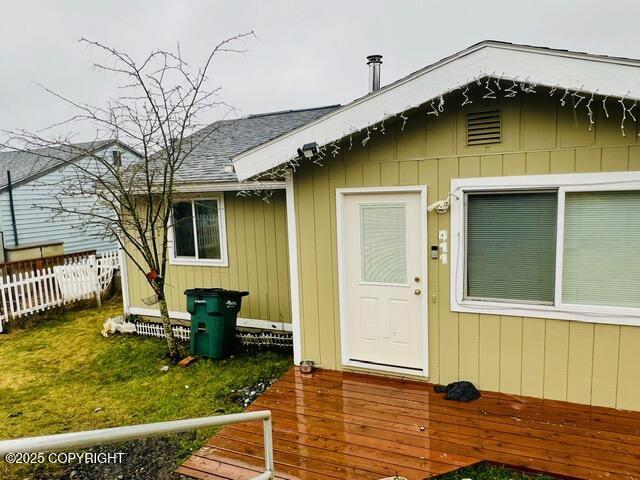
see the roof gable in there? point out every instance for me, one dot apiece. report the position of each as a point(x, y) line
point(28, 165)
point(570, 71)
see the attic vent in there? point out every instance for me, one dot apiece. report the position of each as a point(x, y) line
point(483, 127)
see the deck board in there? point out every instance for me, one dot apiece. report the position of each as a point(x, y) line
point(335, 425)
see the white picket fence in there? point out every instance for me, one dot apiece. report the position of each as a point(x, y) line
point(36, 291)
point(157, 330)
point(247, 339)
point(108, 266)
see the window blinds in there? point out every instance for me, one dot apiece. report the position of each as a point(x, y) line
point(511, 244)
point(208, 229)
point(601, 260)
point(384, 243)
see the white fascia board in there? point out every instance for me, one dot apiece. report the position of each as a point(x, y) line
point(573, 72)
point(208, 187)
point(566, 70)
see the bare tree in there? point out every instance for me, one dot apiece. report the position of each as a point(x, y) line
point(159, 107)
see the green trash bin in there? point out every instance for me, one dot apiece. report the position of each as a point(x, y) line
point(214, 312)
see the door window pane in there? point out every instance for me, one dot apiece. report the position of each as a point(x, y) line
point(183, 230)
point(384, 243)
point(511, 246)
point(601, 261)
point(208, 229)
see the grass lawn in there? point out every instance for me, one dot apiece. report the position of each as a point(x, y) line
point(61, 375)
point(486, 471)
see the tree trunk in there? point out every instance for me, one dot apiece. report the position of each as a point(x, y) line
point(168, 331)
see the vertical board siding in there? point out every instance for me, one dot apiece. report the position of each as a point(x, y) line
point(533, 353)
point(449, 326)
point(555, 359)
point(580, 367)
point(428, 175)
point(258, 262)
point(324, 272)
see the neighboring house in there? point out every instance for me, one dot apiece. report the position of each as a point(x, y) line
point(37, 177)
point(522, 276)
point(242, 242)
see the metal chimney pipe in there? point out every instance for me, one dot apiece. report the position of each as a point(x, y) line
point(374, 62)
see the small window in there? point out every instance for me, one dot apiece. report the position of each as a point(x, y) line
point(484, 128)
point(117, 158)
point(198, 232)
point(384, 243)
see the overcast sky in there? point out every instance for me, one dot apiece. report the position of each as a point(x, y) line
point(306, 53)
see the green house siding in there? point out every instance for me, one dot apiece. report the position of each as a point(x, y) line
point(556, 359)
point(258, 262)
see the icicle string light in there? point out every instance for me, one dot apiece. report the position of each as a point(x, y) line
point(492, 89)
point(404, 118)
point(630, 111)
point(336, 149)
point(367, 138)
point(590, 112)
point(465, 94)
point(577, 95)
point(512, 90)
point(497, 83)
point(490, 92)
point(624, 113)
point(434, 110)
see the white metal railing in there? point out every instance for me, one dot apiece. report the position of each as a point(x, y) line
point(90, 438)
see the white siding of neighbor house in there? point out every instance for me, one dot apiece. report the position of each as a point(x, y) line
point(35, 220)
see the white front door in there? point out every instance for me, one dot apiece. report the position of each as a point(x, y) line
point(383, 285)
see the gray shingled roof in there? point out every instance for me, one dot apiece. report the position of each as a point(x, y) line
point(217, 143)
point(28, 165)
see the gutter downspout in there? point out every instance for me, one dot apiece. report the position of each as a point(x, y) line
point(11, 207)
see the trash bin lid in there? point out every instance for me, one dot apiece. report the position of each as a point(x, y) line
point(213, 292)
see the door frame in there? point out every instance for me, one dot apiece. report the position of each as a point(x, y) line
point(341, 193)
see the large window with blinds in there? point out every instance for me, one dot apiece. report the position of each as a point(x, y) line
point(511, 246)
point(197, 232)
point(558, 246)
point(601, 250)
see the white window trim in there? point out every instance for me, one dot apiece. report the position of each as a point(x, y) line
point(575, 182)
point(203, 262)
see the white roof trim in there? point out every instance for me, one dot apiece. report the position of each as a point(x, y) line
point(611, 76)
point(195, 187)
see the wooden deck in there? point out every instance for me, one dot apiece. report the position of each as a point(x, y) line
point(332, 425)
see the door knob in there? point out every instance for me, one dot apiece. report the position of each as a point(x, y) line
point(417, 291)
